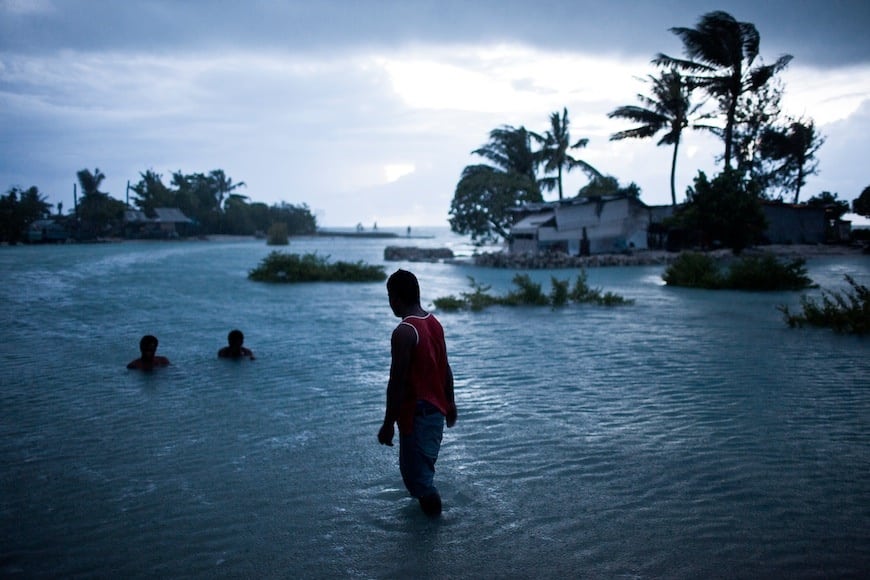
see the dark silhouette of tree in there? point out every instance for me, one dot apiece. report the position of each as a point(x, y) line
point(18, 209)
point(722, 52)
point(485, 193)
point(834, 208)
point(725, 211)
point(757, 112)
point(861, 204)
point(555, 153)
point(99, 214)
point(91, 182)
point(794, 149)
point(608, 185)
point(222, 186)
point(669, 109)
point(509, 150)
point(152, 193)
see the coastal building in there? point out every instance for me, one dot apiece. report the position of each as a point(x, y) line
point(588, 225)
point(168, 222)
point(47, 231)
point(794, 223)
point(622, 223)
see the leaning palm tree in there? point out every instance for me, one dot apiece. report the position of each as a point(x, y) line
point(668, 109)
point(509, 150)
point(222, 186)
point(721, 54)
point(554, 153)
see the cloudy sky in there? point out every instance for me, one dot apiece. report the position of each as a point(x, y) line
point(368, 110)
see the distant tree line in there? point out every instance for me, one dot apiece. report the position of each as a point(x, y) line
point(721, 87)
point(210, 200)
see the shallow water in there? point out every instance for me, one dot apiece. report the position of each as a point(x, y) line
point(690, 435)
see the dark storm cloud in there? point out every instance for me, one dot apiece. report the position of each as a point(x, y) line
point(826, 33)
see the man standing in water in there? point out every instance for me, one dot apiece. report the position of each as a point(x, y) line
point(419, 392)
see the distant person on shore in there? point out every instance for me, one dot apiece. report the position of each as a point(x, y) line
point(234, 348)
point(148, 358)
point(419, 392)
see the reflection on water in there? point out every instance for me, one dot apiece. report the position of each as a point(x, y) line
point(689, 435)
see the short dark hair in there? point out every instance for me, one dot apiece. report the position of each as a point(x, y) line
point(148, 340)
point(403, 285)
point(235, 336)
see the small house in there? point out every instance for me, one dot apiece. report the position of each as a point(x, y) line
point(168, 222)
point(585, 225)
point(794, 224)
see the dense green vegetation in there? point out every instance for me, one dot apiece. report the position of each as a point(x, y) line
point(210, 200)
point(724, 212)
point(847, 312)
point(281, 267)
point(18, 209)
point(530, 293)
point(765, 273)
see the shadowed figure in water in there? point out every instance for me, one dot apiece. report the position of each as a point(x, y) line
point(234, 348)
point(419, 392)
point(148, 358)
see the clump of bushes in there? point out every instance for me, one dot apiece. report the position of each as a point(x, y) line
point(764, 272)
point(278, 234)
point(846, 312)
point(282, 267)
point(529, 293)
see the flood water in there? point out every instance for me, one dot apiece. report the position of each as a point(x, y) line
point(689, 435)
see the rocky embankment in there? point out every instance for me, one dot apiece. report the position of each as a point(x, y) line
point(557, 260)
point(414, 254)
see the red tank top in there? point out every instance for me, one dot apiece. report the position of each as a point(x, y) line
point(428, 372)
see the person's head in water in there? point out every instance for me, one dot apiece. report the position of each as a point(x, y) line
point(148, 358)
point(234, 348)
point(148, 347)
point(403, 290)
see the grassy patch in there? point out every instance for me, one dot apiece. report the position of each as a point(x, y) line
point(846, 312)
point(764, 273)
point(529, 293)
point(281, 267)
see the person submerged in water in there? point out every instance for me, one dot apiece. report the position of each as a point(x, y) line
point(148, 359)
point(234, 348)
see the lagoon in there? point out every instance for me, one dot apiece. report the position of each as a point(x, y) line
point(691, 434)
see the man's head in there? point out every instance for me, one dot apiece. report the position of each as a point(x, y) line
point(403, 290)
point(148, 346)
point(235, 338)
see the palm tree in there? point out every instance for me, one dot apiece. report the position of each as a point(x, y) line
point(485, 194)
point(554, 153)
point(510, 150)
point(668, 109)
point(721, 54)
point(222, 186)
point(91, 182)
point(794, 147)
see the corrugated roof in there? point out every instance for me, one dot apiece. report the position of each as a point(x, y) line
point(532, 223)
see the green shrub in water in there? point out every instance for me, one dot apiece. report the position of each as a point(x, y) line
point(277, 235)
point(765, 272)
point(281, 267)
point(846, 312)
point(529, 293)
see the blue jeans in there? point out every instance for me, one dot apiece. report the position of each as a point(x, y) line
point(418, 452)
